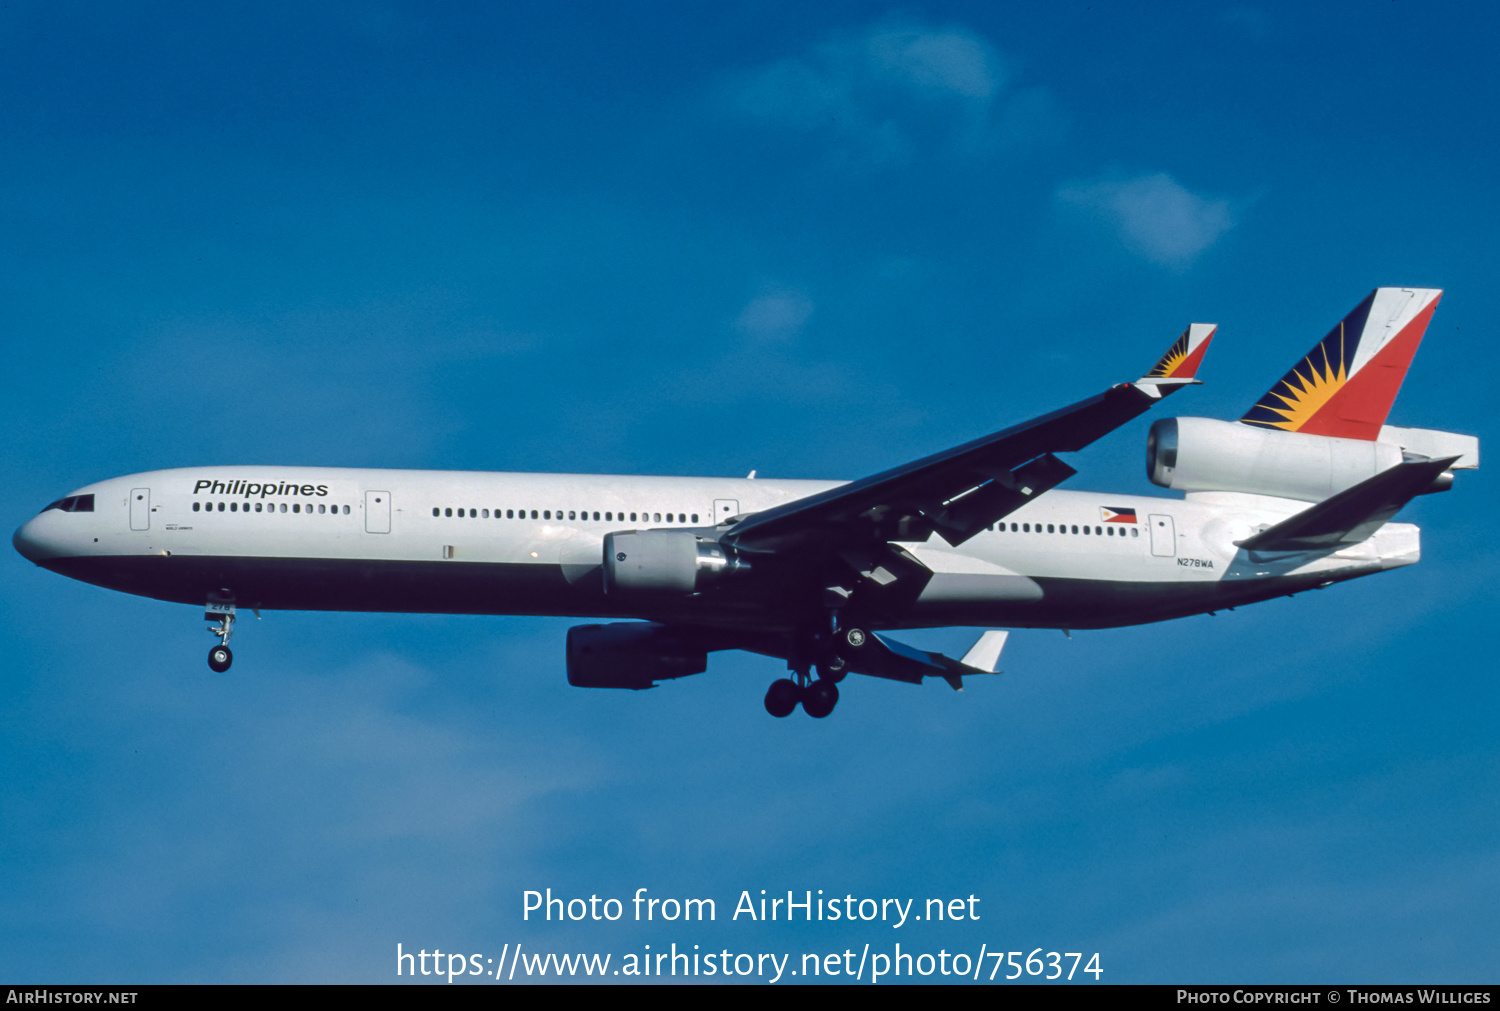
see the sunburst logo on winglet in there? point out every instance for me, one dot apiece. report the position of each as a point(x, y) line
point(1185, 355)
point(1175, 356)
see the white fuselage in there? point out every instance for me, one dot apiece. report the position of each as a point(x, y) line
point(505, 543)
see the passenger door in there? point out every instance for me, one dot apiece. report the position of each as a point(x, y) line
point(377, 512)
point(140, 508)
point(1163, 536)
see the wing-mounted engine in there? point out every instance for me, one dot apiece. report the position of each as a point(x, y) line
point(632, 654)
point(665, 562)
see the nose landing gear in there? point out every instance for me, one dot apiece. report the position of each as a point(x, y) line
point(222, 616)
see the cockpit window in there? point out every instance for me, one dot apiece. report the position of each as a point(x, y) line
point(73, 504)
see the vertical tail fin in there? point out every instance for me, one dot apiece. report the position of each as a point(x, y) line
point(1345, 385)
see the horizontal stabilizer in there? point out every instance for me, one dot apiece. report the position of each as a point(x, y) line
point(1433, 444)
point(1353, 514)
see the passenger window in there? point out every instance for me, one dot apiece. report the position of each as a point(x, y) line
point(533, 514)
point(221, 507)
point(510, 514)
point(695, 517)
point(1049, 528)
point(1075, 529)
point(572, 515)
point(195, 507)
point(658, 518)
point(1134, 532)
point(1026, 528)
point(1110, 531)
point(296, 507)
point(596, 517)
point(322, 508)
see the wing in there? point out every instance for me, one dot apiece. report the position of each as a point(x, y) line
point(960, 491)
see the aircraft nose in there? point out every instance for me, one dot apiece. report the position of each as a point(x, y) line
point(28, 540)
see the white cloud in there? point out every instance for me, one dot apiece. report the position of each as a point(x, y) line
point(885, 89)
point(943, 63)
point(1154, 215)
point(774, 316)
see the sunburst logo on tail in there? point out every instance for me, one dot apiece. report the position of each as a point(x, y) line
point(1303, 391)
point(1345, 386)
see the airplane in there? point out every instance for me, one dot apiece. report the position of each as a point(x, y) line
point(1297, 494)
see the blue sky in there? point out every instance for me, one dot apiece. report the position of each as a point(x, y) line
point(687, 239)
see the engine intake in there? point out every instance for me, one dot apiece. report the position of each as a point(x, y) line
point(630, 654)
point(664, 561)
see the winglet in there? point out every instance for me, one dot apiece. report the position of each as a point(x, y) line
point(984, 655)
point(1345, 385)
point(1179, 366)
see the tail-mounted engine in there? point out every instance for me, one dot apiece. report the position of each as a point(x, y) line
point(665, 562)
point(1202, 454)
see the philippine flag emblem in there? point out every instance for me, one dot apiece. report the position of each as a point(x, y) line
point(1117, 515)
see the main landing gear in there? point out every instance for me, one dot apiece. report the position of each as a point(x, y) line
point(817, 697)
point(222, 617)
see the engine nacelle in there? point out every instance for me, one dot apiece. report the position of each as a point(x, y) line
point(630, 654)
point(664, 561)
point(1203, 454)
